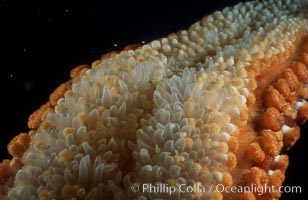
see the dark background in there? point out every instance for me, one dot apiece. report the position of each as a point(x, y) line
point(42, 41)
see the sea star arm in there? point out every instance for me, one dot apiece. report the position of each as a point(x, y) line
point(210, 106)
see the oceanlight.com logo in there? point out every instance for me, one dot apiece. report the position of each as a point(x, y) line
point(164, 188)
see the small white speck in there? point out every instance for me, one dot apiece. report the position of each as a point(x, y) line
point(24, 49)
point(270, 172)
point(285, 129)
point(11, 75)
point(143, 42)
point(277, 158)
point(115, 45)
point(67, 10)
point(299, 104)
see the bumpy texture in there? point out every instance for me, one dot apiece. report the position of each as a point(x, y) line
point(215, 104)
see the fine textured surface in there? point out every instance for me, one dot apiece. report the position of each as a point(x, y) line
point(213, 104)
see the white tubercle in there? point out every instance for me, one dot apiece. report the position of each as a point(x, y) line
point(285, 129)
point(299, 104)
point(277, 158)
point(270, 172)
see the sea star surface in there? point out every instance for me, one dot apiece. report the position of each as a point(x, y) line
point(188, 116)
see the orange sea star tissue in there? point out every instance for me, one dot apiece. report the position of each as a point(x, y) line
point(188, 116)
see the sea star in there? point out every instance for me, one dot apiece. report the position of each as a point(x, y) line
point(182, 117)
